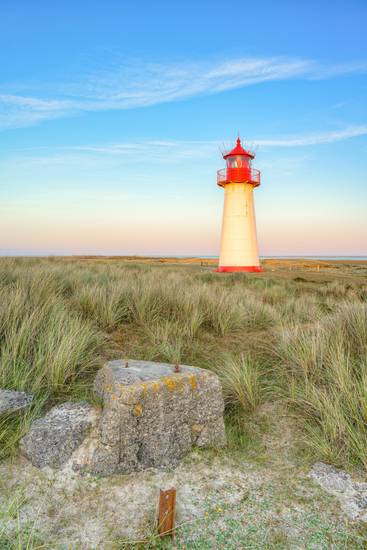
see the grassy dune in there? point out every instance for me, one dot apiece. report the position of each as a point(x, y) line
point(271, 339)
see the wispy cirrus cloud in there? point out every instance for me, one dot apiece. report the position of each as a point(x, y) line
point(132, 84)
point(177, 150)
point(162, 151)
point(18, 111)
point(315, 138)
point(137, 84)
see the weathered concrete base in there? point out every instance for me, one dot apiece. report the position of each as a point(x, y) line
point(52, 439)
point(152, 416)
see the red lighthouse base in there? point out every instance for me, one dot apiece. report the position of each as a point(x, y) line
point(236, 268)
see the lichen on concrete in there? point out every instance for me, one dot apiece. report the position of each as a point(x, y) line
point(154, 412)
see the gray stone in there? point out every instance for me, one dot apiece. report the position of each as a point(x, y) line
point(154, 415)
point(352, 495)
point(53, 438)
point(12, 401)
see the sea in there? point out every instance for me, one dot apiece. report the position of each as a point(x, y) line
point(11, 253)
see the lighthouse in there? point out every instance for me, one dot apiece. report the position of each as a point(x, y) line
point(238, 247)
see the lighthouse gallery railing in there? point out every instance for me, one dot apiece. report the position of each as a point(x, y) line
point(238, 175)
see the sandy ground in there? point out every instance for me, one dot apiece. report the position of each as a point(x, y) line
point(226, 500)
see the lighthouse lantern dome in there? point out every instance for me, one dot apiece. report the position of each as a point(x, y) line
point(239, 168)
point(239, 151)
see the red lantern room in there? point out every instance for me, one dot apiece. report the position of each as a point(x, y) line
point(239, 169)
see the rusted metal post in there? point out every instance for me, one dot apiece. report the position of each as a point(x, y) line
point(167, 512)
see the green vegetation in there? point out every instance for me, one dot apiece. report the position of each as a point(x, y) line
point(268, 338)
point(291, 353)
point(324, 367)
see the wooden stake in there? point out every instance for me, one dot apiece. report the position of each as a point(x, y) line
point(167, 512)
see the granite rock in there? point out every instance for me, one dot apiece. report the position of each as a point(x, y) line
point(12, 401)
point(352, 495)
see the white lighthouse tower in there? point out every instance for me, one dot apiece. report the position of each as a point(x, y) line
point(238, 248)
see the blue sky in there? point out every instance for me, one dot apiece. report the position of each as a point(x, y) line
point(112, 116)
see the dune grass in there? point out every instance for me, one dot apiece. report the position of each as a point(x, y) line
point(267, 338)
point(325, 368)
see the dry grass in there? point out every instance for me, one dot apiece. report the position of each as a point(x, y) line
point(267, 337)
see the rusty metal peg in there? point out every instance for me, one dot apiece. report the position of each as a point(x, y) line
point(167, 512)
